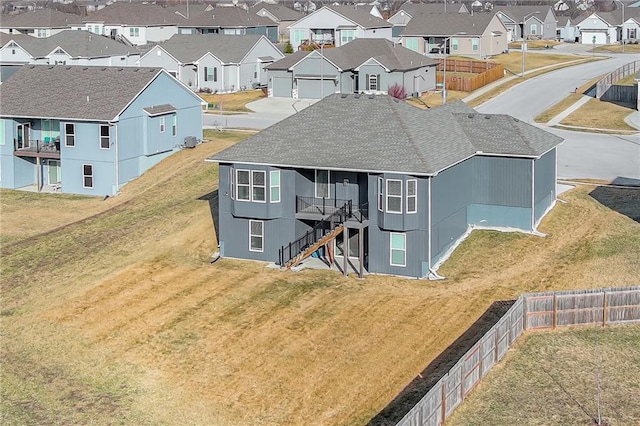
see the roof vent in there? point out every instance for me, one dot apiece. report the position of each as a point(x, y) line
point(344, 95)
point(470, 116)
point(85, 68)
point(371, 96)
point(357, 96)
point(487, 117)
point(104, 69)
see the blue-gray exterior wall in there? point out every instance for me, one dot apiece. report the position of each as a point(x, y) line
point(544, 184)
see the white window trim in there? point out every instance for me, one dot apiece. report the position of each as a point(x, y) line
point(475, 44)
point(252, 235)
point(272, 186)
point(84, 176)
point(238, 184)
point(263, 186)
point(394, 196)
point(375, 78)
point(380, 194)
point(415, 196)
point(391, 249)
point(100, 136)
point(174, 126)
point(163, 124)
point(72, 134)
point(328, 183)
point(232, 185)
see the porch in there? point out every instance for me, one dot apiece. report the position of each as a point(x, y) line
point(48, 148)
point(320, 209)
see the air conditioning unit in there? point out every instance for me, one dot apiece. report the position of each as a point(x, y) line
point(190, 142)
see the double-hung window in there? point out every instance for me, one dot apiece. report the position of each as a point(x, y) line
point(174, 125)
point(134, 32)
point(454, 44)
point(347, 35)
point(394, 196)
point(104, 136)
point(210, 74)
point(297, 36)
point(380, 194)
point(258, 185)
point(411, 43)
point(533, 29)
point(163, 124)
point(70, 134)
point(412, 196)
point(256, 235)
point(251, 185)
point(87, 176)
point(322, 184)
point(373, 82)
point(274, 186)
point(475, 44)
point(398, 249)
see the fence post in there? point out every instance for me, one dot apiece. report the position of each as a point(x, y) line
point(604, 308)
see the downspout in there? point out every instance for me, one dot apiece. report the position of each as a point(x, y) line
point(117, 160)
point(533, 195)
point(238, 79)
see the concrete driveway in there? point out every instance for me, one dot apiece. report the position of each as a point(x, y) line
point(280, 106)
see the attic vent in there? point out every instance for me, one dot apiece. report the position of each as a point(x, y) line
point(343, 96)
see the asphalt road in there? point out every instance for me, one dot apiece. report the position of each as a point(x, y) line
point(582, 155)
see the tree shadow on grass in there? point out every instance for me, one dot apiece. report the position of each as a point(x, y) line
point(214, 208)
point(625, 200)
point(418, 388)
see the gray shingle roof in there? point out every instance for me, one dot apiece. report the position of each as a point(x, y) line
point(215, 17)
point(382, 134)
point(430, 24)
point(517, 13)
point(40, 18)
point(78, 44)
point(72, 92)
point(282, 13)
point(159, 109)
point(360, 16)
point(135, 13)
point(228, 48)
point(413, 8)
point(355, 53)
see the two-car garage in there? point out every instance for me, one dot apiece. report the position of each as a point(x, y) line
point(302, 87)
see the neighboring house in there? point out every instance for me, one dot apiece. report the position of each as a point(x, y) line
point(215, 62)
point(38, 23)
point(567, 30)
point(338, 25)
point(93, 5)
point(363, 65)
point(401, 18)
point(408, 185)
point(199, 19)
point(67, 48)
point(133, 23)
point(528, 22)
point(281, 15)
point(479, 35)
point(608, 27)
point(90, 130)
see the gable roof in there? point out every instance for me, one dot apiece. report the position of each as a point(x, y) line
point(188, 48)
point(437, 8)
point(40, 18)
point(382, 134)
point(426, 24)
point(138, 14)
point(392, 56)
point(219, 17)
point(54, 92)
point(78, 44)
point(518, 13)
point(281, 13)
point(360, 16)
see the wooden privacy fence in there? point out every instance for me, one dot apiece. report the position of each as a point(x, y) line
point(530, 311)
point(613, 77)
point(484, 72)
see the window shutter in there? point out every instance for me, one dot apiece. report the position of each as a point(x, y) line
point(378, 82)
point(215, 74)
point(366, 82)
point(205, 74)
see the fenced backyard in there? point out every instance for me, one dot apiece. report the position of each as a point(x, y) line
point(607, 90)
point(483, 73)
point(529, 312)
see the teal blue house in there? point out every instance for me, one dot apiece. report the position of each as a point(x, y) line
point(90, 130)
point(392, 187)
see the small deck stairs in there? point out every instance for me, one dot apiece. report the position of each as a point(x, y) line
point(315, 246)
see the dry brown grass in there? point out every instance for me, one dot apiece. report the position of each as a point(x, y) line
point(628, 81)
point(534, 44)
point(565, 103)
point(233, 101)
point(434, 99)
point(616, 48)
point(550, 378)
point(597, 114)
point(121, 318)
point(512, 61)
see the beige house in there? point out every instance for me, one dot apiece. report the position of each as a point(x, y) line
point(481, 35)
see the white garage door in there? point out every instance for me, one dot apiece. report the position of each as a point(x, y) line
point(588, 37)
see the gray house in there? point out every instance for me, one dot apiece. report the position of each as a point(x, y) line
point(401, 18)
point(393, 187)
point(528, 22)
point(38, 23)
point(215, 62)
point(67, 48)
point(364, 65)
point(281, 15)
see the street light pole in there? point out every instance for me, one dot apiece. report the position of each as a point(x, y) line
point(622, 29)
point(523, 46)
point(444, 66)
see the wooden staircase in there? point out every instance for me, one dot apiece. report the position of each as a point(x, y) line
point(315, 246)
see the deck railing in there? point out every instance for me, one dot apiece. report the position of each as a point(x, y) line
point(37, 145)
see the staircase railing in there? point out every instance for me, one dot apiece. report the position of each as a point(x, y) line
point(315, 234)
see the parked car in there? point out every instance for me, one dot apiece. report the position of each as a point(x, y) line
point(439, 49)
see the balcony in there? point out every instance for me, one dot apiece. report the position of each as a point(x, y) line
point(311, 208)
point(37, 148)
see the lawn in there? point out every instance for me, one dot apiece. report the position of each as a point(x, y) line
point(566, 102)
point(234, 102)
point(114, 314)
point(616, 48)
point(551, 378)
point(512, 61)
point(535, 44)
point(597, 114)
